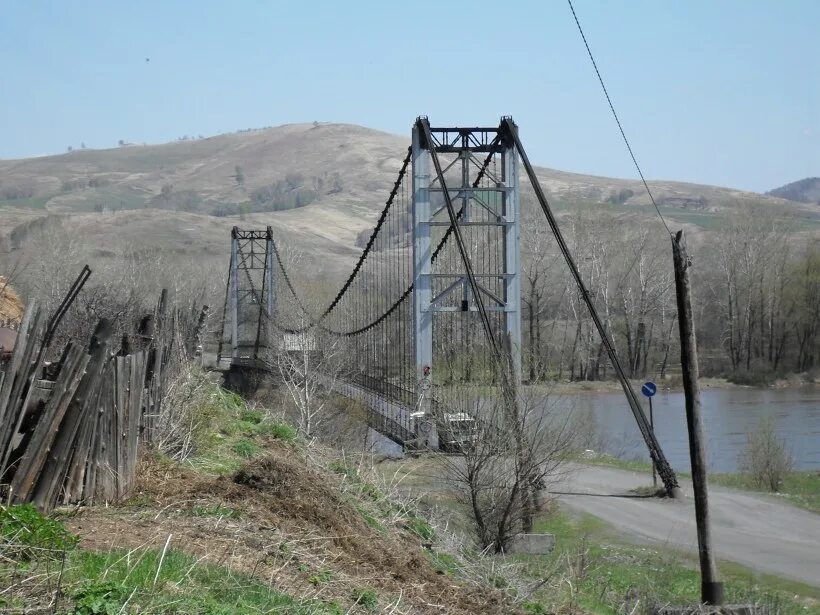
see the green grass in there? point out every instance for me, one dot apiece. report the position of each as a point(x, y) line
point(104, 582)
point(596, 573)
point(249, 415)
point(34, 202)
point(420, 528)
point(370, 518)
point(443, 563)
point(321, 577)
point(366, 597)
point(232, 432)
point(634, 465)
point(118, 581)
point(281, 431)
point(31, 533)
point(800, 488)
point(245, 448)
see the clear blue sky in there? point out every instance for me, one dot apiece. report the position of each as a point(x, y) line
point(723, 93)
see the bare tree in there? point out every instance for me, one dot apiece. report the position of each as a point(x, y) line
point(536, 273)
point(765, 457)
point(750, 256)
point(804, 306)
point(497, 479)
point(309, 365)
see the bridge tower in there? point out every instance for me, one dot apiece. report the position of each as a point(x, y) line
point(250, 294)
point(487, 199)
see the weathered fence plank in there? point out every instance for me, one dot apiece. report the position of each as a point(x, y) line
point(38, 447)
point(76, 437)
point(57, 465)
point(15, 382)
point(135, 388)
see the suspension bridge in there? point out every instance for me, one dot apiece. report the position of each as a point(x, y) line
point(433, 300)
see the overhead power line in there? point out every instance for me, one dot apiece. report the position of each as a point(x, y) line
point(615, 115)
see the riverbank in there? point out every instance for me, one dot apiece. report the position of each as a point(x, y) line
point(673, 384)
point(613, 386)
point(255, 520)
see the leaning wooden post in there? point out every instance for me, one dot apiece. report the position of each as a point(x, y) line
point(711, 591)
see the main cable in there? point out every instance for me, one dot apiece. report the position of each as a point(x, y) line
point(366, 327)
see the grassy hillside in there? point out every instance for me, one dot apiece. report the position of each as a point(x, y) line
point(340, 162)
point(319, 184)
point(254, 521)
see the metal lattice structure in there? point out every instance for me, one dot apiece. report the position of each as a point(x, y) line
point(249, 300)
point(480, 174)
point(434, 297)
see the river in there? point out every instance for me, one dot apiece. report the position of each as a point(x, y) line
point(728, 414)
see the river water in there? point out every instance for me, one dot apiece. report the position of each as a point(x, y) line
point(728, 415)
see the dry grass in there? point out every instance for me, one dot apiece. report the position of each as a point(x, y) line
point(284, 520)
point(367, 160)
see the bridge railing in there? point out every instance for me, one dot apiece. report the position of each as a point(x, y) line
point(400, 429)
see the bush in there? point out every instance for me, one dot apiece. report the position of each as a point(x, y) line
point(765, 458)
point(26, 530)
point(245, 448)
point(752, 377)
point(280, 431)
point(366, 598)
point(251, 416)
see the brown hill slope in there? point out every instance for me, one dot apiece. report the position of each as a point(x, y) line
point(804, 191)
point(163, 197)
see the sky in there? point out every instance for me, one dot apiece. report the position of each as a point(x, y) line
point(716, 92)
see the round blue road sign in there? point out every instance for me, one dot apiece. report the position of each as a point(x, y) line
point(649, 389)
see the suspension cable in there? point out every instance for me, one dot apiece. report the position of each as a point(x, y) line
point(382, 317)
point(665, 470)
point(439, 247)
point(365, 252)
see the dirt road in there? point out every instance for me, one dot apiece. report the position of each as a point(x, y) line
point(754, 530)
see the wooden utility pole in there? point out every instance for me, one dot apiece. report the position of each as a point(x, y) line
point(711, 591)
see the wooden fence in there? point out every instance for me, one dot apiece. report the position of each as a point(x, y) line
point(71, 430)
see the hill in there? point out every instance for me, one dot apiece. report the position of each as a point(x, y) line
point(320, 185)
point(803, 191)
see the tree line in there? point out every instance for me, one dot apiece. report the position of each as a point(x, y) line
point(757, 297)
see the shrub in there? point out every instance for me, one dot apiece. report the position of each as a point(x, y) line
point(103, 597)
point(280, 431)
point(245, 448)
point(366, 597)
point(752, 378)
point(765, 458)
point(27, 530)
point(251, 416)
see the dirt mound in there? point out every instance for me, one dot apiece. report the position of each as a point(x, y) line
point(284, 520)
point(293, 491)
